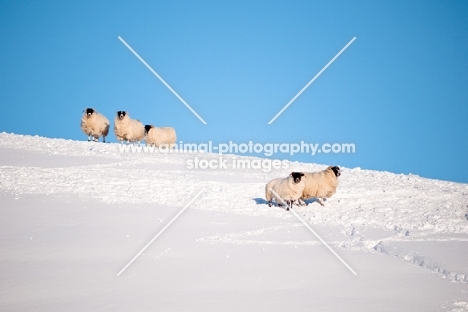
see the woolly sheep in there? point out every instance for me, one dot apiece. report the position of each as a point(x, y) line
point(128, 129)
point(269, 195)
point(320, 184)
point(285, 190)
point(94, 125)
point(160, 135)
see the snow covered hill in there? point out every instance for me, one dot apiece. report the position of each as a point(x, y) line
point(73, 214)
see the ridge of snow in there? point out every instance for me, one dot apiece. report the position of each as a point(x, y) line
point(419, 221)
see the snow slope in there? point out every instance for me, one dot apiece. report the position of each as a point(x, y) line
point(73, 214)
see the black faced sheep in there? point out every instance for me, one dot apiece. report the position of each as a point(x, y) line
point(320, 184)
point(160, 135)
point(285, 190)
point(94, 125)
point(127, 129)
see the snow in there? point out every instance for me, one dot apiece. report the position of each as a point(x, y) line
point(73, 214)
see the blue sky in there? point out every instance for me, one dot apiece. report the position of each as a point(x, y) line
point(399, 92)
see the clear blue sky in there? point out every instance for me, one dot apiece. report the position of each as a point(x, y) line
point(399, 92)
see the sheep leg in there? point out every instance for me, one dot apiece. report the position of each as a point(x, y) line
point(270, 203)
point(320, 201)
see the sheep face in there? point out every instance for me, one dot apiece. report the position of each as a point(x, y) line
point(121, 114)
point(336, 170)
point(147, 128)
point(89, 112)
point(297, 176)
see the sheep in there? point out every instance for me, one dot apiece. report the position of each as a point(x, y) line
point(320, 185)
point(128, 129)
point(94, 125)
point(268, 187)
point(285, 190)
point(158, 136)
